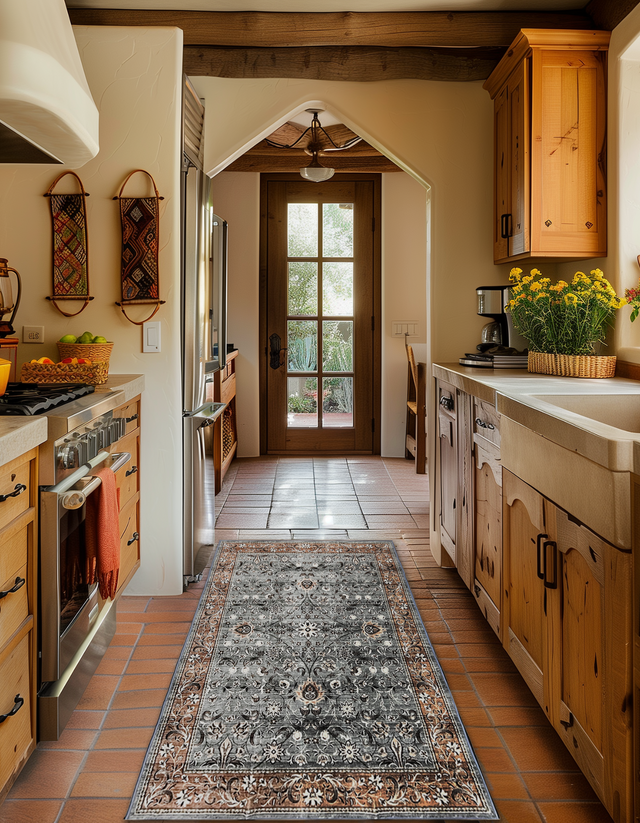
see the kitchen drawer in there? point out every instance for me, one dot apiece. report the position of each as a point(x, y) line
point(13, 477)
point(486, 421)
point(131, 414)
point(129, 541)
point(127, 476)
point(228, 389)
point(14, 606)
point(13, 554)
point(15, 731)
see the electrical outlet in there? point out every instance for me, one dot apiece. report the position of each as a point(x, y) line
point(33, 334)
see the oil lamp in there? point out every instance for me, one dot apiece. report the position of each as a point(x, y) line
point(8, 303)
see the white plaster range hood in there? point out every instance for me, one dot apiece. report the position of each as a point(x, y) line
point(47, 114)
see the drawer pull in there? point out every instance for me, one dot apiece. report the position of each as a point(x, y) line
point(484, 425)
point(447, 402)
point(19, 488)
point(550, 584)
point(20, 581)
point(135, 536)
point(19, 703)
point(131, 419)
point(540, 570)
point(131, 471)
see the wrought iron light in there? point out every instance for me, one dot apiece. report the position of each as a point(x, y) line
point(315, 171)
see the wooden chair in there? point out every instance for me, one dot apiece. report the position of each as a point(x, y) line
point(416, 437)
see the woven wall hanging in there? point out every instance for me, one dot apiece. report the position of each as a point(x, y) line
point(140, 218)
point(70, 246)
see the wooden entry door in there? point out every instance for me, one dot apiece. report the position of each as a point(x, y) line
point(321, 293)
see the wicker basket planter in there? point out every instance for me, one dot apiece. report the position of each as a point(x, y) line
point(571, 365)
point(89, 351)
point(91, 375)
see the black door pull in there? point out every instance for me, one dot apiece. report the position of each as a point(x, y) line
point(19, 702)
point(20, 581)
point(18, 489)
point(275, 351)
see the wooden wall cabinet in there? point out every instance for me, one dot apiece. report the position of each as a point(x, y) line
point(567, 627)
point(18, 617)
point(549, 93)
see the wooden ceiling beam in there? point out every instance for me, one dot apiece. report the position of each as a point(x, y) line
point(355, 63)
point(491, 29)
point(606, 14)
point(288, 162)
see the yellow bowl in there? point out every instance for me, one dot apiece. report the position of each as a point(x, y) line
point(5, 369)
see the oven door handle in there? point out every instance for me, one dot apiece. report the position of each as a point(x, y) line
point(76, 498)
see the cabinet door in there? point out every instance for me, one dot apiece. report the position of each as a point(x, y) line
point(590, 654)
point(524, 613)
point(568, 153)
point(448, 481)
point(487, 508)
point(519, 175)
point(502, 169)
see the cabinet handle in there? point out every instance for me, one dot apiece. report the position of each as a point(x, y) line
point(446, 402)
point(131, 471)
point(135, 536)
point(18, 489)
point(484, 425)
point(20, 581)
point(551, 584)
point(19, 702)
point(131, 419)
point(540, 570)
point(505, 228)
point(567, 723)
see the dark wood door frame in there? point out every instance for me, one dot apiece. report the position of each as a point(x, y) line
point(377, 301)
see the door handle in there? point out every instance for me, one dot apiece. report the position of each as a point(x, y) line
point(276, 351)
point(551, 584)
point(540, 570)
point(505, 226)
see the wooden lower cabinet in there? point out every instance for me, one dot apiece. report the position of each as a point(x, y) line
point(567, 627)
point(487, 532)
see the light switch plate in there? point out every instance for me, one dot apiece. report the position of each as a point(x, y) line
point(402, 328)
point(151, 336)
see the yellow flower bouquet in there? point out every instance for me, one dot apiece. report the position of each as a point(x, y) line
point(563, 318)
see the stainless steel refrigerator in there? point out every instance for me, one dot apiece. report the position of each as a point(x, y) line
point(204, 247)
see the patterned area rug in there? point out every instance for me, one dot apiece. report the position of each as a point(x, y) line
point(308, 688)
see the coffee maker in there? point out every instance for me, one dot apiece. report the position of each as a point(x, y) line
point(501, 346)
point(492, 302)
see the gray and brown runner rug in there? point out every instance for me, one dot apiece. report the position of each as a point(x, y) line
point(308, 688)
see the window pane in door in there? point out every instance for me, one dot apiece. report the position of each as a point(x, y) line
point(302, 402)
point(303, 288)
point(337, 345)
point(302, 224)
point(337, 230)
point(337, 402)
point(302, 342)
point(337, 289)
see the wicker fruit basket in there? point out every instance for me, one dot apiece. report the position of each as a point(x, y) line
point(91, 375)
point(571, 365)
point(89, 351)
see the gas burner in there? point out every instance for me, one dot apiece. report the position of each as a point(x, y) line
point(26, 399)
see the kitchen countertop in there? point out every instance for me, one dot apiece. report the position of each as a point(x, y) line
point(607, 432)
point(20, 434)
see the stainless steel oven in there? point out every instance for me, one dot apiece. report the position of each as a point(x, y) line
point(76, 626)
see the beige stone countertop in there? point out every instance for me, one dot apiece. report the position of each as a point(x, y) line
point(599, 419)
point(20, 434)
point(131, 384)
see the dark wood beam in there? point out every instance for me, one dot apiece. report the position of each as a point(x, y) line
point(389, 29)
point(289, 162)
point(606, 14)
point(355, 63)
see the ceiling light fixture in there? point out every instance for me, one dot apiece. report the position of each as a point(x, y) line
point(315, 171)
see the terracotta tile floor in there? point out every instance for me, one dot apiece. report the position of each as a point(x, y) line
point(89, 774)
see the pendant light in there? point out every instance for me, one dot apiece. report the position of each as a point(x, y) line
point(8, 304)
point(315, 171)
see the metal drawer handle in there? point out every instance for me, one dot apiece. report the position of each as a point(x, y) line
point(19, 488)
point(19, 703)
point(131, 471)
point(484, 425)
point(135, 536)
point(131, 419)
point(20, 581)
point(446, 402)
point(540, 570)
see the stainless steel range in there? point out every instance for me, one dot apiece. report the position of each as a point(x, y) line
point(76, 626)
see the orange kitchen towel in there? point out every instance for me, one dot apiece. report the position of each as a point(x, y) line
point(103, 534)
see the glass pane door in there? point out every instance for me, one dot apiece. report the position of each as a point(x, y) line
point(320, 315)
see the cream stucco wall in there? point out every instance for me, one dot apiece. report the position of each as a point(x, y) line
point(236, 197)
point(135, 77)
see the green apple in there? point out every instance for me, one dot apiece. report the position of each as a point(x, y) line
point(68, 338)
point(99, 339)
point(87, 337)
